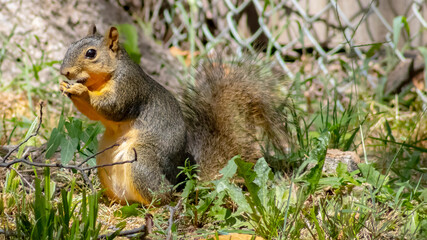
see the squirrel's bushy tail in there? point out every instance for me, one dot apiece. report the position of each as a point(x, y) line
point(231, 110)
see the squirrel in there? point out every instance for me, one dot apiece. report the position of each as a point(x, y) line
point(228, 111)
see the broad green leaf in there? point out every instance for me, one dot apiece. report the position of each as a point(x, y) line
point(54, 141)
point(127, 211)
point(263, 172)
point(244, 169)
point(334, 182)
point(231, 168)
point(303, 166)
point(372, 176)
point(219, 213)
point(61, 123)
point(318, 154)
point(189, 188)
point(263, 175)
point(84, 154)
point(236, 194)
point(74, 127)
point(89, 137)
point(68, 148)
point(204, 205)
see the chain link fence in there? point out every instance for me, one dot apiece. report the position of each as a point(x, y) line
point(284, 28)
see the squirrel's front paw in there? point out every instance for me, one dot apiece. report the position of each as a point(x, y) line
point(70, 90)
point(63, 87)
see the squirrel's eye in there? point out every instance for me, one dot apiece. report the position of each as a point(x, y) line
point(91, 53)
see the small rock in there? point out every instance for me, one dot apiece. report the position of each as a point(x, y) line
point(335, 156)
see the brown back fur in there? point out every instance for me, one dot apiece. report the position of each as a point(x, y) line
point(230, 110)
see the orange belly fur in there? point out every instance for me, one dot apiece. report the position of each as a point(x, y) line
point(117, 179)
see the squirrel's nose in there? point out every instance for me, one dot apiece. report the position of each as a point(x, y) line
point(65, 71)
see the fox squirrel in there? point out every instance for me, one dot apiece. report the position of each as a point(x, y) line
point(222, 115)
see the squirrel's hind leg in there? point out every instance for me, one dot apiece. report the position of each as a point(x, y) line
point(149, 179)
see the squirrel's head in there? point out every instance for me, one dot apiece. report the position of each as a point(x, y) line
point(92, 59)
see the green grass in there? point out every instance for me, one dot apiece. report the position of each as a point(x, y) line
point(48, 216)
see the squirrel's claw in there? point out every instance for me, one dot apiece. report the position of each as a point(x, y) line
point(63, 87)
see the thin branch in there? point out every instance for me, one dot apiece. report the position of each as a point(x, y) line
point(172, 211)
point(124, 233)
point(112, 164)
point(59, 165)
point(105, 165)
point(74, 167)
point(146, 229)
point(24, 179)
point(29, 137)
point(96, 154)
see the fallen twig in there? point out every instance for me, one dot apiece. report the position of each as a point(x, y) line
point(59, 165)
point(112, 164)
point(96, 154)
point(124, 233)
point(24, 179)
point(172, 211)
point(145, 229)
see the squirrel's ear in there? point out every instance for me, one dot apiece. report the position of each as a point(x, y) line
point(91, 31)
point(112, 39)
